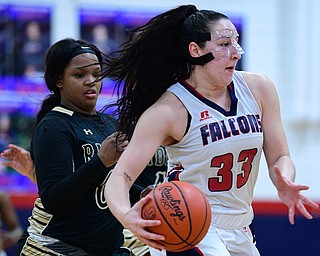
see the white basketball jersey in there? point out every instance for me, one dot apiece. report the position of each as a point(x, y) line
point(220, 153)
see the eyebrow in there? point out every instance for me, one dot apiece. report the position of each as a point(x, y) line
point(87, 66)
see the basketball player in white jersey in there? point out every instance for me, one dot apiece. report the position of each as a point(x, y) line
point(181, 90)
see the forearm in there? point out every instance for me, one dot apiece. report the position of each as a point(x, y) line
point(117, 196)
point(286, 167)
point(59, 194)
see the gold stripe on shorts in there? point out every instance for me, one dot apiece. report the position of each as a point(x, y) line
point(134, 244)
point(33, 248)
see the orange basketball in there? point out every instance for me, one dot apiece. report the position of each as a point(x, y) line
point(184, 213)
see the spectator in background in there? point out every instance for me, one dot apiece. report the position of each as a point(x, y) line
point(32, 51)
point(3, 46)
point(8, 217)
point(101, 38)
point(5, 137)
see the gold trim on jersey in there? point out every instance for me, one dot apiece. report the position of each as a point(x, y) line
point(63, 110)
point(39, 218)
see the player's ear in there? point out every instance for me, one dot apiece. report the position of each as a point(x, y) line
point(59, 83)
point(194, 50)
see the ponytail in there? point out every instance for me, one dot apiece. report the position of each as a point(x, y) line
point(147, 64)
point(51, 101)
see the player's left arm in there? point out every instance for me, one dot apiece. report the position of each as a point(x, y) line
point(281, 167)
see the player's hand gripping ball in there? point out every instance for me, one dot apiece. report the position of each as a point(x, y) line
point(184, 213)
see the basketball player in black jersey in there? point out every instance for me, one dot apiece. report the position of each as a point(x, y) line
point(73, 148)
point(19, 159)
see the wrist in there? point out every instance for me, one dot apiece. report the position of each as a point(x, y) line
point(31, 175)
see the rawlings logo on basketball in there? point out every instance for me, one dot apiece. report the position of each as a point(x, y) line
point(184, 213)
point(169, 202)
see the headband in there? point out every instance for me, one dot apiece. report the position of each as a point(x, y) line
point(197, 37)
point(79, 49)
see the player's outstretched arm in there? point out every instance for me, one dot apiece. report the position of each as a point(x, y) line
point(19, 159)
point(290, 194)
point(276, 150)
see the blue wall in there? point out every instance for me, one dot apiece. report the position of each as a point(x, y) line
point(277, 237)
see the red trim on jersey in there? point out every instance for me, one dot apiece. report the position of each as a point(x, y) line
point(186, 84)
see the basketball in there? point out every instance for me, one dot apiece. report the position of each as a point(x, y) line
point(184, 213)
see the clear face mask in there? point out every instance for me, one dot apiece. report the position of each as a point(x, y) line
point(227, 43)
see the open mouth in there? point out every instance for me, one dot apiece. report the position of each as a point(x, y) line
point(90, 93)
point(230, 68)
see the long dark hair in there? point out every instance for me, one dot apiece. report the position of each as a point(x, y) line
point(58, 57)
point(154, 57)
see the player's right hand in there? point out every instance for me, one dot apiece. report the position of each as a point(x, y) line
point(112, 148)
point(139, 227)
